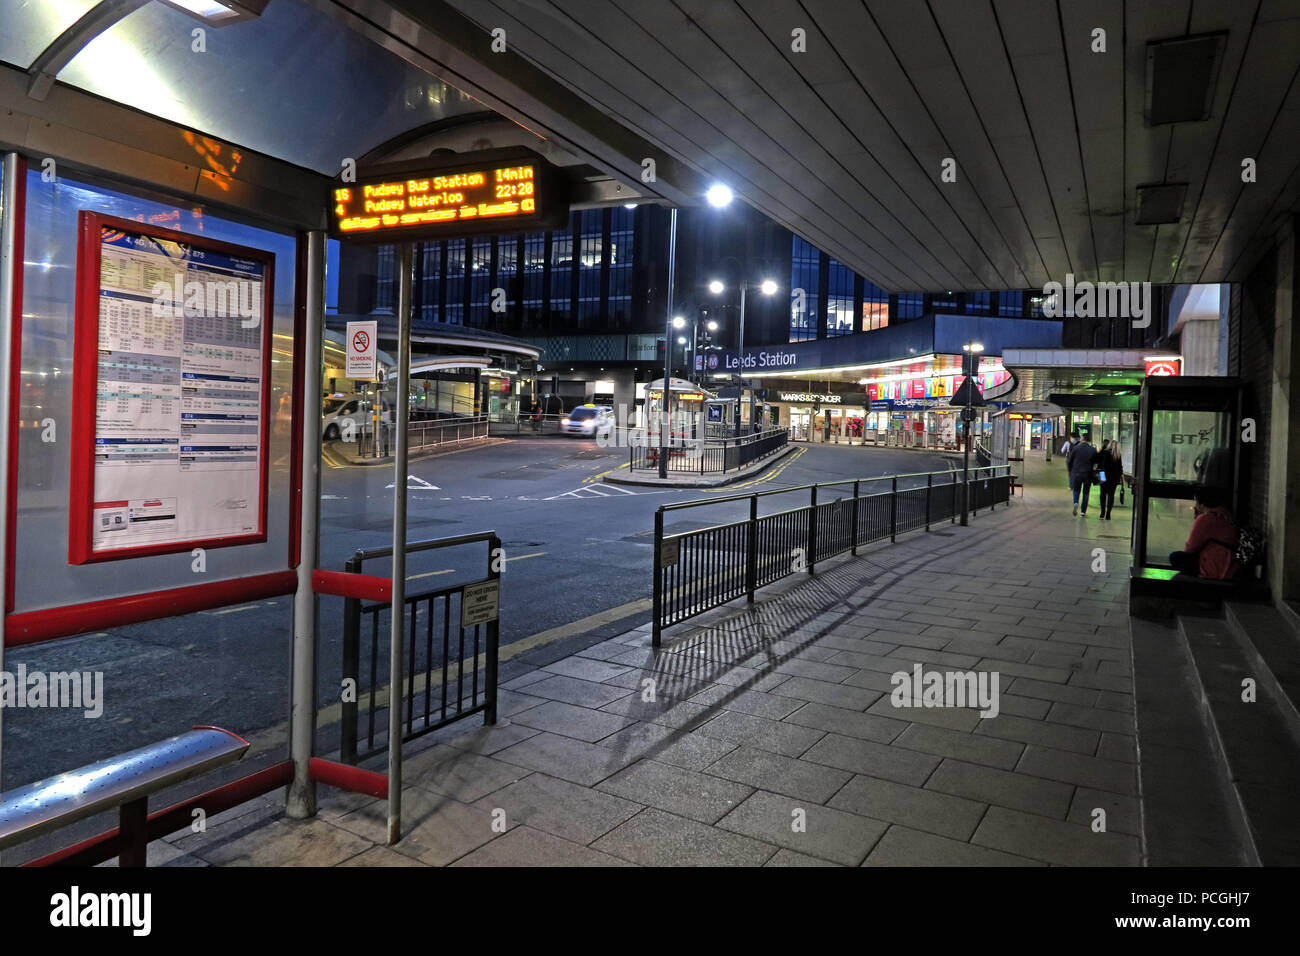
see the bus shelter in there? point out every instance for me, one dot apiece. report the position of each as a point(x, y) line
point(167, 222)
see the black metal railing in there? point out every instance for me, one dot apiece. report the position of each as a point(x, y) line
point(525, 424)
point(706, 456)
point(443, 655)
point(702, 568)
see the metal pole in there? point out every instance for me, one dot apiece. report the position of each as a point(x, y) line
point(301, 799)
point(657, 600)
point(854, 536)
point(965, 471)
point(812, 531)
point(397, 629)
point(12, 171)
point(668, 345)
point(751, 562)
point(695, 348)
point(740, 354)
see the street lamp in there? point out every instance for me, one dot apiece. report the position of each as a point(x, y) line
point(970, 366)
point(767, 287)
point(718, 195)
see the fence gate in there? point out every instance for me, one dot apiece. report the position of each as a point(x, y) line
point(451, 634)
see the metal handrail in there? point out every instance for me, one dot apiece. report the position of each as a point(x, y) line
point(704, 568)
point(699, 502)
point(124, 781)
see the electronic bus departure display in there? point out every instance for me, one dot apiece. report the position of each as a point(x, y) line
point(499, 191)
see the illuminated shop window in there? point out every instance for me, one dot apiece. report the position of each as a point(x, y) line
point(875, 307)
point(839, 299)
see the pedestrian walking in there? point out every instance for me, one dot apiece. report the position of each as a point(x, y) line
point(1082, 463)
point(1068, 446)
point(1110, 472)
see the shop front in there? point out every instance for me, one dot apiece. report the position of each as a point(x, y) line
point(823, 417)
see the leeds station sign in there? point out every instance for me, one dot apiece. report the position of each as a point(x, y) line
point(493, 191)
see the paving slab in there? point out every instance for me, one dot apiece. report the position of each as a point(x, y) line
point(830, 834)
point(656, 838)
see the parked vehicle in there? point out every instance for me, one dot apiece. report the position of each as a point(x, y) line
point(354, 410)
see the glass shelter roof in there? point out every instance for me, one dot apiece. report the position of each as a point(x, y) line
point(293, 83)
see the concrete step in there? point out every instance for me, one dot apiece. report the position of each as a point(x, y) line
point(1261, 753)
point(1273, 643)
point(1191, 815)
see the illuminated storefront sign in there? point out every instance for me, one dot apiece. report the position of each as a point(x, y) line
point(1164, 366)
point(502, 190)
point(931, 388)
point(807, 398)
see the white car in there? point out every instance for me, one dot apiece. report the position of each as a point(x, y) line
point(592, 421)
point(354, 410)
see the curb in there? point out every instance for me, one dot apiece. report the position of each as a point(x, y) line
point(419, 455)
point(748, 471)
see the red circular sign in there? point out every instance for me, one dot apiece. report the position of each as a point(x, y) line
point(360, 341)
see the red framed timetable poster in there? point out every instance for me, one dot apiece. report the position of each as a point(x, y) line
point(171, 391)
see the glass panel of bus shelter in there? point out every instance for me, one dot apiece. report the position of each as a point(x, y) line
point(31, 27)
point(143, 682)
point(294, 83)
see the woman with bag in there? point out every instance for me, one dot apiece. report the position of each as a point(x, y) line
point(1110, 472)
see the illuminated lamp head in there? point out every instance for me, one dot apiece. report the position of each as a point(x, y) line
point(719, 195)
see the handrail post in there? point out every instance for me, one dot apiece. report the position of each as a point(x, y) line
point(351, 669)
point(397, 627)
point(853, 536)
point(751, 557)
point(493, 638)
point(929, 484)
point(658, 600)
point(893, 509)
point(812, 533)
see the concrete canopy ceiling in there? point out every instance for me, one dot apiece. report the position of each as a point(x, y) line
point(844, 143)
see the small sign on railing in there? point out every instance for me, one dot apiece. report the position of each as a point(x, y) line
point(480, 603)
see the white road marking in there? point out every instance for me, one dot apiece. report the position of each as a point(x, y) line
point(599, 491)
point(429, 574)
point(413, 482)
point(234, 610)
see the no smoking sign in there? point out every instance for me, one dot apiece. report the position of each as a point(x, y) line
point(361, 352)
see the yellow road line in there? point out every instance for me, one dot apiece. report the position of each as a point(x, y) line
point(429, 574)
point(729, 489)
point(587, 481)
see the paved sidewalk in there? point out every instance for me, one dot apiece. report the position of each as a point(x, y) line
point(772, 739)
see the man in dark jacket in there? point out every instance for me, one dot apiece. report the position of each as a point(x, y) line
point(1082, 460)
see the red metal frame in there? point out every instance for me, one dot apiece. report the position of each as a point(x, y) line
point(85, 382)
point(19, 212)
point(346, 777)
point(345, 584)
point(33, 627)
